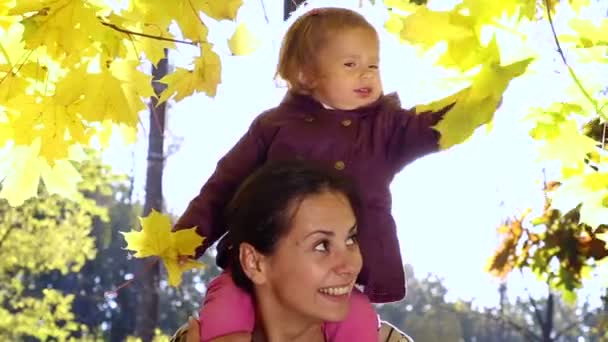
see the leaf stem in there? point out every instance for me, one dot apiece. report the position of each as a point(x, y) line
point(120, 29)
point(570, 70)
point(149, 266)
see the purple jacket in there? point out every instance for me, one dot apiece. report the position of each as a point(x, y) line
point(370, 144)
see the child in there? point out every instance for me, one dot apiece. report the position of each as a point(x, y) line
point(335, 112)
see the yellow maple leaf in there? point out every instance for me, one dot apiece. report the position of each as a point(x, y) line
point(157, 239)
point(219, 10)
point(6, 21)
point(204, 78)
point(53, 122)
point(402, 5)
point(189, 21)
point(153, 49)
point(476, 105)
point(569, 146)
point(394, 24)
point(590, 190)
point(61, 178)
point(485, 11)
point(6, 132)
point(21, 176)
point(243, 41)
point(55, 27)
point(109, 96)
point(446, 26)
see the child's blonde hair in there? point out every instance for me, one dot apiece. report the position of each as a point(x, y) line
point(306, 36)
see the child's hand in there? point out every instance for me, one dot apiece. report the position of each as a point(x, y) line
point(183, 259)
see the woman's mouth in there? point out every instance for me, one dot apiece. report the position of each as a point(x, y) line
point(337, 291)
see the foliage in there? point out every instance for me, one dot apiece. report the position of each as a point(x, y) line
point(156, 239)
point(67, 80)
point(47, 235)
point(536, 243)
point(477, 39)
point(426, 315)
point(70, 77)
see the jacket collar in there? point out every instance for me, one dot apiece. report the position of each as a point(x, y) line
point(309, 104)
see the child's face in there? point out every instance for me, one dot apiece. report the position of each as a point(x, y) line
point(348, 75)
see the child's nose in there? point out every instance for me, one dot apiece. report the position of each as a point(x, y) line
point(367, 74)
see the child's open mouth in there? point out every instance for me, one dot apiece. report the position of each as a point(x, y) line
point(363, 92)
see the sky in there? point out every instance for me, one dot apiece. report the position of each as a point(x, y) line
point(447, 205)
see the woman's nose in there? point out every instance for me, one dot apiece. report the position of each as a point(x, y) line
point(348, 263)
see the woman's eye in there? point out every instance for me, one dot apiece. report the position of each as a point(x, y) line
point(351, 240)
point(322, 246)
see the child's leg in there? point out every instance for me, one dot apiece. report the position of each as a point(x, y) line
point(360, 325)
point(227, 310)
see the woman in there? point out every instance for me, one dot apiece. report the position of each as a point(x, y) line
point(294, 231)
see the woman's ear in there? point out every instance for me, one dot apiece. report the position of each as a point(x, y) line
point(252, 263)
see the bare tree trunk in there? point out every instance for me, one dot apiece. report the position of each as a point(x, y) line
point(147, 295)
point(547, 328)
point(290, 6)
point(502, 329)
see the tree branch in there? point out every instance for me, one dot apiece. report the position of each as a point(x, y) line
point(570, 70)
point(120, 29)
point(537, 312)
point(499, 318)
point(5, 236)
point(519, 328)
point(264, 11)
point(565, 330)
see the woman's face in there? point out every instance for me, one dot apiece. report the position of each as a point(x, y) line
point(315, 265)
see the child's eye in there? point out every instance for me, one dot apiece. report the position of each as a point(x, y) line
point(349, 64)
point(373, 66)
point(322, 246)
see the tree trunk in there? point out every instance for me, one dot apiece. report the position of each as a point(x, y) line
point(290, 6)
point(502, 329)
point(547, 328)
point(147, 295)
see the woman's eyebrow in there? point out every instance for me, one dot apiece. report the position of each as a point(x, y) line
point(330, 233)
point(320, 231)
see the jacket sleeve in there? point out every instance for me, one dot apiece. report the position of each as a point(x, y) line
point(206, 210)
point(412, 135)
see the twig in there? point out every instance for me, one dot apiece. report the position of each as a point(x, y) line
point(519, 328)
point(196, 14)
point(5, 235)
point(151, 263)
point(120, 29)
point(522, 330)
point(537, 312)
point(570, 70)
point(25, 56)
point(264, 11)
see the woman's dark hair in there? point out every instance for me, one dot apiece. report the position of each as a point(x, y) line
point(260, 214)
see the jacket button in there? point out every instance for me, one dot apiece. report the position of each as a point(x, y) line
point(346, 122)
point(309, 119)
point(339, 165)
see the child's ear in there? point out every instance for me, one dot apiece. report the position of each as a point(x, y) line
point(307, 79)
point(252, 263)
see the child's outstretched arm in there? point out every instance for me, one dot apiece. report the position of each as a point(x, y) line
point(205, 211)
point(411, 135)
